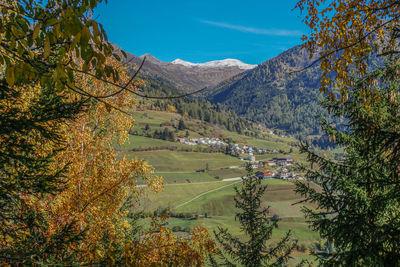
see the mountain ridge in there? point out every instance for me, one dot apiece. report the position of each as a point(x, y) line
point(228, 62)
point(187, 79)
point(276, 94)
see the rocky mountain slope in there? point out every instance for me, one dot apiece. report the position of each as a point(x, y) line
point(189, 76)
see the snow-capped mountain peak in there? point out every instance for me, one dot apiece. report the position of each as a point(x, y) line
point(179, 61)
point(229, 62)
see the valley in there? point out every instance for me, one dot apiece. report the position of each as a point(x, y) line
point(200, 145)
point(198, 190)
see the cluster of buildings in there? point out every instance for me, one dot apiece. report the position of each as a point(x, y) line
point(281, 173)
point(202, 141)
point(243, 149)
point(278, 162)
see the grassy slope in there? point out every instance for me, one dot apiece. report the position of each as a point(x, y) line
point(171, 161)
point(180, 167)
point(219, 206)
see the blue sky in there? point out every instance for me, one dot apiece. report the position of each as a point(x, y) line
point(203, 30)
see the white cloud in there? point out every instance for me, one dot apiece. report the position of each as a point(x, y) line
point(274, 32)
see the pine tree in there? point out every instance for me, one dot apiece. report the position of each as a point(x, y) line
point(359, 196)
point(256, 225)
point(181, 125)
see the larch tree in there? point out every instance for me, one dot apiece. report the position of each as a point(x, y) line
point(344, 33)
point(38, 41)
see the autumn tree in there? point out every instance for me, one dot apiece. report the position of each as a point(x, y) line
point(38, 43)
point(343, 35)
point(98, 180)
point(257, 226)
point(161, 247)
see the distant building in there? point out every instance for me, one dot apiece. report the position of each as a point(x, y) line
point(268, 174)
point(283, 161)
point(251, 157)
point(265, 174)
point(259, 174)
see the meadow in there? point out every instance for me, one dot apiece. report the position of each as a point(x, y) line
point(194, 180)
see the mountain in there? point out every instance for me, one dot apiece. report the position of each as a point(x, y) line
point(276, 96)
point(189, 76)
point(229, 62)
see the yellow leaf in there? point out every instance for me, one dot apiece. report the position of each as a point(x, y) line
point(77, 38)
point(46, 52)
point(10, 76)
point(36, 31)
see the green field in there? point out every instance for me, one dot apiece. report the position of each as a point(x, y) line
point(189, 191)
point(220, 209)
point(171, 161)
point(177, 167)
point(137, 142)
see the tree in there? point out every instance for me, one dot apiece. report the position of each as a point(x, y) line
point(255, 224)
point(98, 180)
point(358, 200)
point(181, 125)
point(161, 247)
point(344, 33)
point(41, 46)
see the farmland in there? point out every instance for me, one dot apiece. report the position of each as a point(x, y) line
point(194, 180)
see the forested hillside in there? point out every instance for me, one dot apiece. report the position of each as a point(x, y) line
point(275, 95)
point(195, 108)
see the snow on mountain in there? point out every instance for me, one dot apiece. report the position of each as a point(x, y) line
point(229, 62)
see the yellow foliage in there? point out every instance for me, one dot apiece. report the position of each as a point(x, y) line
point(171, 108)
point(99, 181)
point(343, 33)
point(163, 248)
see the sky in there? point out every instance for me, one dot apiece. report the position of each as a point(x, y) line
point(252, 31)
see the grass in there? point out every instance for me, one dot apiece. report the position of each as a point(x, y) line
point(186, 177)
point(175, 195)
point(183, 183)
point(220, 208)
point(227, 173)
point(172, 161)
point(137, 142)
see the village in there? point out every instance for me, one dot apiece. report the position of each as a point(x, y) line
point(234, 150)
point(279, 168)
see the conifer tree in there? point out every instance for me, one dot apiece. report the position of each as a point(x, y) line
point(181, 125)
point(358, 200)
point(256, 225)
